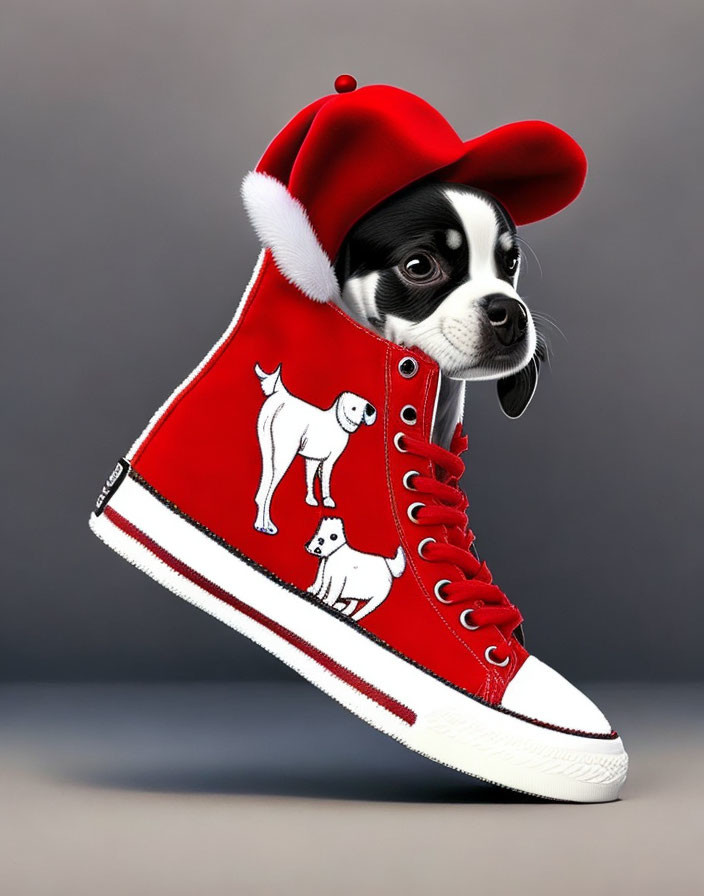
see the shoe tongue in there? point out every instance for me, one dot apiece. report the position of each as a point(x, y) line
point(449, 411)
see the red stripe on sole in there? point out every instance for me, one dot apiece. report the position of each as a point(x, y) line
point(393, 706)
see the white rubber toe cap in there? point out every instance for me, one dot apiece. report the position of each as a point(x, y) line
point(538, 692)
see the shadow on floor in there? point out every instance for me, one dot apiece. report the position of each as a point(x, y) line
point(267, 740)
point(329, 783)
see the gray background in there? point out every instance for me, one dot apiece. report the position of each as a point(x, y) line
point(127, 127)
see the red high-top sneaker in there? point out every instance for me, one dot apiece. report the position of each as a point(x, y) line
point(281, 489)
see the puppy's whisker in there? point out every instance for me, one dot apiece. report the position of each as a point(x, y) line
point(543, 349)
point(545, 319)
point(523, 242)
point(545, 316)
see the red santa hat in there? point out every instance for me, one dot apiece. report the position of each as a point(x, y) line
point(346, 152)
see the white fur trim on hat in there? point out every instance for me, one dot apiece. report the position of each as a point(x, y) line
point(282, 225)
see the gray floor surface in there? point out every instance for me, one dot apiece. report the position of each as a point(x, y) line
point(268, 789)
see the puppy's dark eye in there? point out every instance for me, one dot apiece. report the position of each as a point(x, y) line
point(510, 261)
point(333, 538)
point(419, 267)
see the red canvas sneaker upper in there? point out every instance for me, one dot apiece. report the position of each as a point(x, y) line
point(392, 487)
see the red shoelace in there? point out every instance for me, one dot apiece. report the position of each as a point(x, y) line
point(488, 604)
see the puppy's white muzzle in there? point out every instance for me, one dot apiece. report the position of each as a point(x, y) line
point(461, 338)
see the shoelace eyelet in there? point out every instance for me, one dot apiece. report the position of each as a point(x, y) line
point(422, 545)
point(407, 479)
point(408, 367)
point(412, 509)
point(464, 616)
point(397, 443)
point(438, 588)
point(487, 656)
point(409, 414)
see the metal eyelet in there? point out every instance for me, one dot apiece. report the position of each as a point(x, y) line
point(422, 545)
point(411, 510)
point(408, 367)
point(437, 589)
point(407, 479)
point(487, 657)
point(397, 441)
point(464, 616)
point(409, 414)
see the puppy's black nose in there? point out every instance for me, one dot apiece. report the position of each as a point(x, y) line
point(508, 317)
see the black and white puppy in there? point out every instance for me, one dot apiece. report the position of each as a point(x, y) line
point(436, 267)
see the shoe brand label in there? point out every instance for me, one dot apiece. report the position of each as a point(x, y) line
point(112, 483)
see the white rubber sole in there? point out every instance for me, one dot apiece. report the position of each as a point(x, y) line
point(377, 685)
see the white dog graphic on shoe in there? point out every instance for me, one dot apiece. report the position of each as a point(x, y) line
point(347, 577)
point(288, 426)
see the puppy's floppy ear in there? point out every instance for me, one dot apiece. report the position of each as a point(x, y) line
point(516, 391)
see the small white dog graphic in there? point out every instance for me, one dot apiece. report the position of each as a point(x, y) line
point(347, 577)
point(288, 426)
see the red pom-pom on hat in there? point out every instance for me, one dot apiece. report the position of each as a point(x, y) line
point(345, 83)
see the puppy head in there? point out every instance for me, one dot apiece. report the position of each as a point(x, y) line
point(329, 537)
point(436, 266)
point(353, 410)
